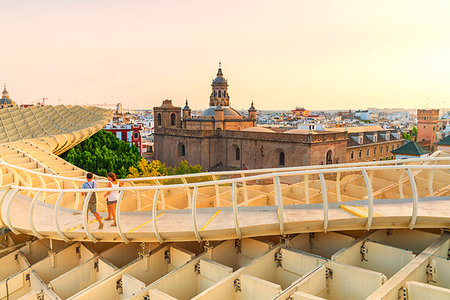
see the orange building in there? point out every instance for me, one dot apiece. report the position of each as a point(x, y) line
point(426, 127)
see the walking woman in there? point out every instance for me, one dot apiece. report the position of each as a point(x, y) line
point(112, 197)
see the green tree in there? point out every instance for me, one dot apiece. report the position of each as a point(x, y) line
point(103, 153)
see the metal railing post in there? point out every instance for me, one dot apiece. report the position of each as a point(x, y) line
point(194, 215)
point(56, 217)
point(30, 215)
point(119, 223)
point(415, 198)
point(338, 186)
point(307, 188)
point(154, 212)
point(323, 187)
point(244, 187)
point(8, 212)
point(368, 183)
point(235, 210)
point(279, 203)
point(216, 187)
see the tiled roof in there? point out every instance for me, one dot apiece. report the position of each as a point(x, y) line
point(445, 141)
point(410, 148)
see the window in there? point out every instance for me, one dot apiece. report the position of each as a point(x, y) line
point(374, 150)
point(387, 148)
point(220, 93)
point(375, 137)
point(352, 155)
point(329, 159)
point(136, 135)
point(172, 119)
point(368, 152)
point(215, 94)
point(392, 148)
point(381, 149)
point(237, 154)
point(281, 162)
point(360, 154)
point(181, 150)
point(159, 120)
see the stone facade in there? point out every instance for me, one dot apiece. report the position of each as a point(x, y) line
point(227, 149)
point(373, 145)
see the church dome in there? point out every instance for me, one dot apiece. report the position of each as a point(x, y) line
point(227, 112)
point(257, 129)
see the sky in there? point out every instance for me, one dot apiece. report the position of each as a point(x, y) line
point(281, 54)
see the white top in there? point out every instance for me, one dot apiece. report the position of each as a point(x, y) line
point(114, 195)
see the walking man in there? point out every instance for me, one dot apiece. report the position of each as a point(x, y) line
point(92, 205)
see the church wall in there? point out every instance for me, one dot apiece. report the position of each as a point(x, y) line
point(256, 150)
point(319, 152)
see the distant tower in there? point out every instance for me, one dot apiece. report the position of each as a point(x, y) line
point(167, 116)
point(186, 114)
point(427, 127)
point(119, 109)
point(218, 117)
point(5, 101)
point(252, 114)
point(219, 94)
point(186, 111)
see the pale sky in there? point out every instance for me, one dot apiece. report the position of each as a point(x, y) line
point(283, 54)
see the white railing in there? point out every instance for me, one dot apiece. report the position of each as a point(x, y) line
point(274, 176)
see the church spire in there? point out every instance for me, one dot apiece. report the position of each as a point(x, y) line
point(219, 95)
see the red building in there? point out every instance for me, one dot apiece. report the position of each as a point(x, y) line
point(130, 133)
point(427, 127)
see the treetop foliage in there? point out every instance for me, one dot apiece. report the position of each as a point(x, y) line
point(103, 152)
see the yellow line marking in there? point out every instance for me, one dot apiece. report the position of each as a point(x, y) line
point(359, 211)
point(73, 228)
point(210, 219)
point(145, 223)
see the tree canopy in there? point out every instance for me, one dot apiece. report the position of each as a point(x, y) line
point(103, 153)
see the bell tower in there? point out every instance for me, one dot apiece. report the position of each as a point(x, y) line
point(219, 94)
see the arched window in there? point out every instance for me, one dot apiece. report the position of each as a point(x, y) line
point(282, 160)
point(368, 152)
point(159, 120)
point(352, 155)
point(220, 93)
point(172, 119)
point(360, 154)
point(136, 135)
point(329, 160)
point(181, 150)
point(237, 153)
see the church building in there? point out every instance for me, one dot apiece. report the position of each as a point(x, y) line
point(223, 139)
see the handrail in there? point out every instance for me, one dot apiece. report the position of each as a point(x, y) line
point(231, 180)
point(238, 172)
